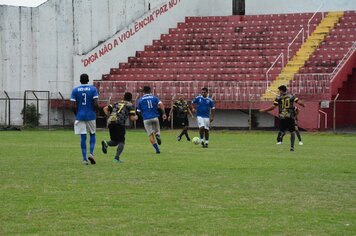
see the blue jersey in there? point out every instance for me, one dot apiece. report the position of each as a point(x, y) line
point(148, 106)
point(203, 106)
point(84, 96)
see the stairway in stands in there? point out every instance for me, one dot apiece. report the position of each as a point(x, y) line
point(303, 54)
point(229, 54)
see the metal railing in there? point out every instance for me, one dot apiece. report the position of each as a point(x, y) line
point(271, 67)
point(311, 18)
point(291, 43)
point(229, 91)
point(343, 61)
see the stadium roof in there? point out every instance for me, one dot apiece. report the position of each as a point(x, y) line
point(23, 3)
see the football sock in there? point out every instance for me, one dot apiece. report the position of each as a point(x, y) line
point(112, 143)
point(83, 145)
point(155, 145)
point(292, 139)
point(119, 149)
point(280, 136)
point(298, 135)
point(92, 143)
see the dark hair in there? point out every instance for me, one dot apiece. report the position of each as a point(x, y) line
point(205, 89)
point(146, 89)
point(84, 78)
point(282, 88)
point(128, 97)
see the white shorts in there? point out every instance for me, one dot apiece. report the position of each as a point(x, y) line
point(152, 126)
point(84, 126)
point(203, 122)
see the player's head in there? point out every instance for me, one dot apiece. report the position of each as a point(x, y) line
point(282, 89)
point(128, 97)
point(204, 92)
point(84, 78)
point(180, 96)
point(146, 89)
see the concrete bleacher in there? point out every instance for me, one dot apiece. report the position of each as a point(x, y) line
point(228, 54)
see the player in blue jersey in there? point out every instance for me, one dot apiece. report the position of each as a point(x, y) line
point(148, 105)
point(84, 101)
point(286, 113)
point(205, 111)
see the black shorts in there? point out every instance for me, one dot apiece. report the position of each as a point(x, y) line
point(183, 121)
point(117, 132)
point(287, 124)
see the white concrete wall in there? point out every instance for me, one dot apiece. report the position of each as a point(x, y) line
point(40, 47)
point(255, 7)
point(162, 18)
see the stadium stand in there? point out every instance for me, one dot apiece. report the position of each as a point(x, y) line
point(214, 49)
point(233, 55)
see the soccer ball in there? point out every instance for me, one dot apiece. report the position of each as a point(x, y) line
point(196, 140)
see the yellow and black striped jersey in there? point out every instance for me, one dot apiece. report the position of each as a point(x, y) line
point(120, 111)
point(286, 105)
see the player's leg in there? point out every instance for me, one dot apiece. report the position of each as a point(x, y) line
point(298, 135)
point(179, 137)
point(206, 132)
point(80, 128)
point(157, 130)
point(186, 126)
point(121, 143)
point(280, 137)
point(200, 122)
point(91, 126)
point(83, 146)
point(291, 128)
point(283, 125)
point(151, 134)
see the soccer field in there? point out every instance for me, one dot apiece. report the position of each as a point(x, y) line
point(243, 184)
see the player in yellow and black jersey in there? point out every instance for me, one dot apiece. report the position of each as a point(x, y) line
point(296, 112)
point(286, 114)
point(117, 115)
point(182, 109)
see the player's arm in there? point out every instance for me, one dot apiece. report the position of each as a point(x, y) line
point(161, 106)
point(212, 114)
point(106, 111)
point(74, 107)
point(190, 113)
point(96, 106)
point(171, 112)
point(300, 102)
point(132, 115)
point(268, 108)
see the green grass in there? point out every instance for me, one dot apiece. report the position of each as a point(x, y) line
point(243, 184)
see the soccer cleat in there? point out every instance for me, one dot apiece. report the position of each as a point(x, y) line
point(178, 138)
point(300, 143)
point(92, 160)
point(104, 146)
point(188, 139)
point(85, 162)
point(159, 140)
point(292, 149)
point(116, 160)
point(205, 145)
point(279, 143)
point(158, 152)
